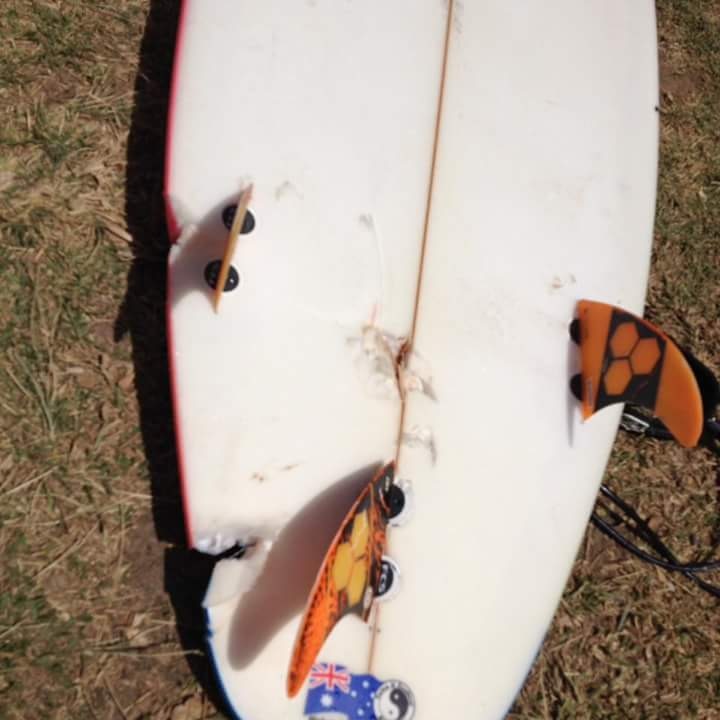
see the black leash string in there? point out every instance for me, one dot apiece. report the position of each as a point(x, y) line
point(617, 513)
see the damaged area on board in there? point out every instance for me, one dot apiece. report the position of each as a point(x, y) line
point(386, 365)
point(625, 359)
point(236, 572)
point(353, 573)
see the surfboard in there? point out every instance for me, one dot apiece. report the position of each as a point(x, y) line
point(434, 187)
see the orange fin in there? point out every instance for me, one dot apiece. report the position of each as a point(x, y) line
point(349, 576)
point(625, 359)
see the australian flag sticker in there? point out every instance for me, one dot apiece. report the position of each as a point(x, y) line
point(334, 692)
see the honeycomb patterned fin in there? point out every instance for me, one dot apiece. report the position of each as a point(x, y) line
point(625, 359)
point(348, 577)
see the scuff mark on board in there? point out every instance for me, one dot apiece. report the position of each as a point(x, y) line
point(233, 577)
point(421, 436)
point(559, 282)
point(367, 221)
point(285, 189)
point(458, 10)
point(388, 367)
point(415, 375)
point(376, 354)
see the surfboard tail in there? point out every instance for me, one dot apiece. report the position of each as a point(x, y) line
point(626, 359)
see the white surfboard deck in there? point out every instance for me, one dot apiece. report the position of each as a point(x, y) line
point(544, 192)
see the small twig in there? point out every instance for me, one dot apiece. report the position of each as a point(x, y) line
point(139, 653)
point(121, 549)
point(19, 385)
point(63, 554)
point(26, 626)
point(114, 699)
point(139, 496)
point(25, 484)
point(12, 412)
point(55, 327)
point(140, 699)
point(88, 703)
point(39, 394)
point(11, 629)
point(114, 229)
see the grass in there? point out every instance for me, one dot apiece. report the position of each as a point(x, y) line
point(98, 618)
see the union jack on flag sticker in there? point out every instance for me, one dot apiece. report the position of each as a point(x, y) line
point(334, 691)
point(330, 676)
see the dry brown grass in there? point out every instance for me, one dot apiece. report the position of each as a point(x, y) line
point(99, 619)
point(87, 628)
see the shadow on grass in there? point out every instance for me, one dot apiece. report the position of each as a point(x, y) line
point(142, 316)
